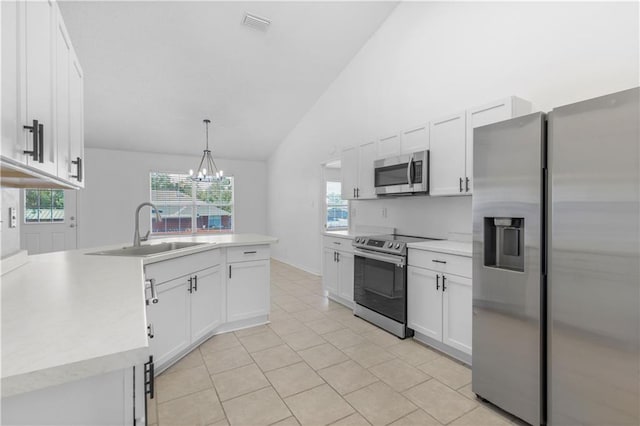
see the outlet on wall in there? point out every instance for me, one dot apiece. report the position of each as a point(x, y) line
point(13, 217)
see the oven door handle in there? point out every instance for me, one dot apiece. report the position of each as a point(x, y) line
point(397, 260)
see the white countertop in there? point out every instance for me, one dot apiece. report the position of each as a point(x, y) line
point(339, 234)
point(67, 315)
point(460, 248)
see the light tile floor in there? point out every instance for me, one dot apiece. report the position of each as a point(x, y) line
point(316, 364)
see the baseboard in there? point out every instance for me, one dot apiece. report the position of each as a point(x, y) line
point(452, 352)
point(295, 265)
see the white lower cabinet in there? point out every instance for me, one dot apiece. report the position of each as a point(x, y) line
point(337, 270)
point(247, 296)
point(439, 301)
point(208, 310)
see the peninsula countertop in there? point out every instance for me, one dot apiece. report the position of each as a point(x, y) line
point(68, 315)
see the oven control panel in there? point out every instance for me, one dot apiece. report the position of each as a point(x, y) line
point(381, 245)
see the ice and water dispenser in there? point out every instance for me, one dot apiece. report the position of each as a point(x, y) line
point(504, 243)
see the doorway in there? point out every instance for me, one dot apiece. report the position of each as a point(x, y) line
point(48, 220)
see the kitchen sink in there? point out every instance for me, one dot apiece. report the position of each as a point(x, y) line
point(146, 250)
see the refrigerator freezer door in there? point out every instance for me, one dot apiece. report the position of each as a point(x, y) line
point(594, 282)
point(507, 222)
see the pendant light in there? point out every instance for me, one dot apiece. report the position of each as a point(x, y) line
point(207, 171)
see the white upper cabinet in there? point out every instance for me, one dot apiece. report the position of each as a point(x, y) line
point(389, 146)
point(75, 163)
point(366, 158)
point(357, 171)
point(415, 139)
point(493, 112)
point(43, 97)
point(349, 172)
point(447, 139)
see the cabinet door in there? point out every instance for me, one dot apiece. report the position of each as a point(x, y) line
point(62, 98)
point(208, 302)
point(247, 290)
point(447, 155)
point(424, 302)
point(76, 123)
point(330, 271)
point(345, 275)
point(416, 139)
point(12, 139)
point(389, 146)
point(366, 158)
point(37, 69)
point(481, 116)
point(349, 172)
point(457, 309)
point(170, 320)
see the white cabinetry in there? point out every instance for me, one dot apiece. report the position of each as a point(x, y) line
point(439, 307)
point(415, 139)
point(185, 303)
point(447, 155)
point(389, 146)
point(42, 109)
point(247, 295)
point(451, 144)
point(357, 171)
point(337, 269)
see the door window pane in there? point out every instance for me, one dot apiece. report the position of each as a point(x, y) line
point(43, 205)
point(337, 208)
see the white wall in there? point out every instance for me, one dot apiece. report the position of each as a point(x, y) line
point(118, 181)
point(431, 59)
point(10, 237)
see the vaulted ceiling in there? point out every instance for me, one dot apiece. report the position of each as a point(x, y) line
point(154, 70)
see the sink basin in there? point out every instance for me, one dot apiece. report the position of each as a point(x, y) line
point(146, 250)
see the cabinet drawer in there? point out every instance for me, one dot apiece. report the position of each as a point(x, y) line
point(181, 266)
point(340, 244)
point(440, 262)
point(247, 253)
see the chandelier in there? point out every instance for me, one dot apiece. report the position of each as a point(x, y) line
point(207, 170)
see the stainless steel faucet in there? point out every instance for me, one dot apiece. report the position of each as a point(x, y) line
point(136, 233)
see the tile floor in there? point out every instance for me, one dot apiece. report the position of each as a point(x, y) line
point(316, 364)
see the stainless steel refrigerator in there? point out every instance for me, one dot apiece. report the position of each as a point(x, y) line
point(556, 263)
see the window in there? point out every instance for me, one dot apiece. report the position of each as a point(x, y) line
point(43, 205)
point(337, 208)
point(189, 207)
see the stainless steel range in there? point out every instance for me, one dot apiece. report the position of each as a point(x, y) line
point(380, 281)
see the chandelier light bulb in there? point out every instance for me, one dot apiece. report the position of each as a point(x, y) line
point(221, 173)
point(190, 172)
point(204, 172)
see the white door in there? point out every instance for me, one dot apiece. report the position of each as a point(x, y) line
point(168, 320)
point(457, 312)
point(349, 172)
point(207, 302)
point(424, 302)
point(366, 158)
point(330, 271)
point(447, 155)
point(345, 275)
point(247, 294)
point(49, 220)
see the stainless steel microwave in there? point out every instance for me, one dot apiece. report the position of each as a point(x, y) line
point(402, 174)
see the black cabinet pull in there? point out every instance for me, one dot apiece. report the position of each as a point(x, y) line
point(438, 261)
point(149, 380)
point(190, 289)
point(229, 271)
point(338, 256)
point(40, 143)
point(354, 193)
point(466, 184)
point(437, 282)
point(150, 331)
point(78, 163)
point(195, 283)
point(444, 287)
point(250, 252)
point(34, 131)
point(357, 192)
point(460, 184)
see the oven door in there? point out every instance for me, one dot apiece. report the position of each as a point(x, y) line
point(380, 283)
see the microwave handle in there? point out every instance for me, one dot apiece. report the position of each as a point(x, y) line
point(410, 171)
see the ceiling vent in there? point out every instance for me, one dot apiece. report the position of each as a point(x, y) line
point(256, 22)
